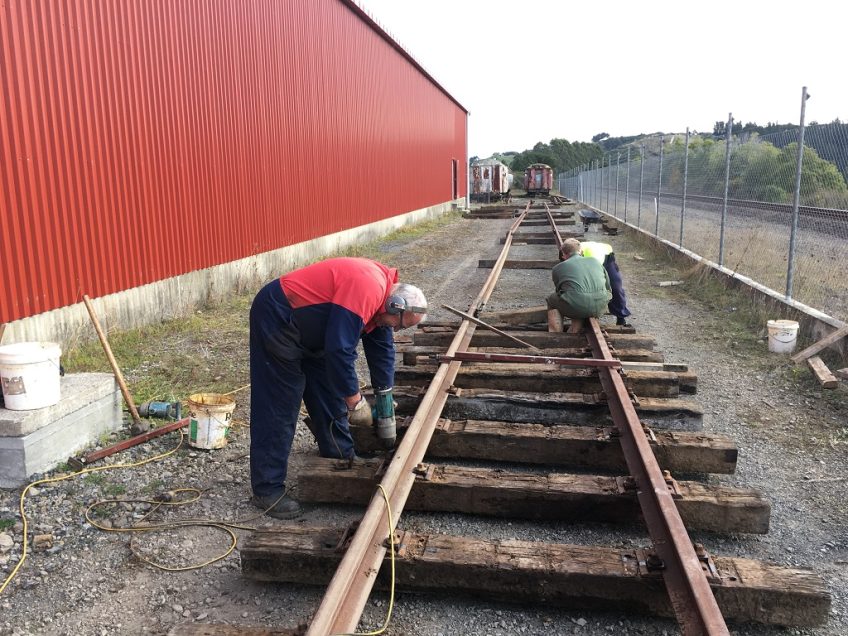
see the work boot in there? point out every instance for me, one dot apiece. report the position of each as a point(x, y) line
point(278, 506)
point(622, 322)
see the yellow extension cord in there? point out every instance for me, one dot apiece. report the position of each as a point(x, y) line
point(225, 526)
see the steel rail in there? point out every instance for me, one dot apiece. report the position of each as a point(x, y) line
point(348, 590)
point(838, 214)
point(689, 591)
point(554, 228)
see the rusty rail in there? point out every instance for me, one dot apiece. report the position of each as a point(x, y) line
point(554, 228)
point(689, 591)
point(348, 591)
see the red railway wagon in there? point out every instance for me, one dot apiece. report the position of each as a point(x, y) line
point(538, 179)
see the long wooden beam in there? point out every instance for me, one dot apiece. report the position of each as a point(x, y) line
point(579, 409)
point(536, 495)
point(564, 576)
point(551, 378)
point(413, 355)
point(559, 445)
point(541, 339)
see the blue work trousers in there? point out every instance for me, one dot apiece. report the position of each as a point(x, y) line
point(618, 305)
point(282, 373)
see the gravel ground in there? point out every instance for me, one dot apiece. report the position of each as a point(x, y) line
point(792, 438)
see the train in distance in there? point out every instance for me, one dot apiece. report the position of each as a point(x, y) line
point(491, 180)
point(538, 180)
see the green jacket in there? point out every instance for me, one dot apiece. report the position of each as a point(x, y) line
point(583, 285)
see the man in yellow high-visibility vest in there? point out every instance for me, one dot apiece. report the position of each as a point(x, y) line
point(602, 252)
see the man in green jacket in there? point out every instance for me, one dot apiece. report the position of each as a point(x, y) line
point(582, 288)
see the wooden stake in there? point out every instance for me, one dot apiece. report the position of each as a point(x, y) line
point(137, 425)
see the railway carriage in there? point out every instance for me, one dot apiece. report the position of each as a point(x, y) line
point(538, 179)
point(491, 180)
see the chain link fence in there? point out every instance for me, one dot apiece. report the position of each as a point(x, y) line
point(734, 204)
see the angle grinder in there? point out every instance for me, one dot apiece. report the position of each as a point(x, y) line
point(384, 417)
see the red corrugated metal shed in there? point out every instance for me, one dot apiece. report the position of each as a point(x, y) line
point(141, 140)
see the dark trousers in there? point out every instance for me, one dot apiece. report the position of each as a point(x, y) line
point(618, 305)
point(282, 373)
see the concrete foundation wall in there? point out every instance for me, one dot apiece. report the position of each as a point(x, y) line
point(177, 296)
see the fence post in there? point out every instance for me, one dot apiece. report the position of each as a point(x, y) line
point(615, 205)
point(685, 180)
point(659, 188)
point(641, 185)
point(627, 185)
point(728, 139)
point(609, 165)
point(796, 198)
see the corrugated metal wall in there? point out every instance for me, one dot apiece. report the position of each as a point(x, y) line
point(140, 140)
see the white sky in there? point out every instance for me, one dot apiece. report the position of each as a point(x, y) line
point(624, 68)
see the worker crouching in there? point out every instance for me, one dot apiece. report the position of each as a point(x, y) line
point(582, 288)
point(304, 331)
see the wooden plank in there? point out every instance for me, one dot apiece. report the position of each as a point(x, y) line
point(516, 316)
point(525, 264)
point(536, 496)
point(561, 218)
point(561, 445)
point(541, 325)
point(821, 344)
point(652, 360)
point(542, 377)
point(822, 373)
point(543, 241)
point(540, 339)
point(554, 575)
point(576, 409)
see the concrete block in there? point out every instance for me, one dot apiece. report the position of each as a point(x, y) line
point(35, 441)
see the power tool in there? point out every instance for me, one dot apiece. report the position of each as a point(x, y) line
point(164, 410)
point(384, 417)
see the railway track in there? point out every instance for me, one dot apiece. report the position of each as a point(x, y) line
point(785, 209)
point(591, 428)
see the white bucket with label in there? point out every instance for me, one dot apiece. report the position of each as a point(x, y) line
point(782, 335)
point(29, 373)
point(209, 419)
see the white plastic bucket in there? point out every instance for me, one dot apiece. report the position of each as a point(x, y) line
point(29, 373)
point(782, 335)
point(209, 419)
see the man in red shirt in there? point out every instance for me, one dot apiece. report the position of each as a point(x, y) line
point(304, 331)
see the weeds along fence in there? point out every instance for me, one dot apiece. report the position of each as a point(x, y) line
point(734, 203)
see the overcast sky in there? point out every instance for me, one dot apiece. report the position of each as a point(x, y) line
point(542, 69)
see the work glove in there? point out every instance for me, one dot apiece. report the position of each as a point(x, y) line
point(360, 414)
